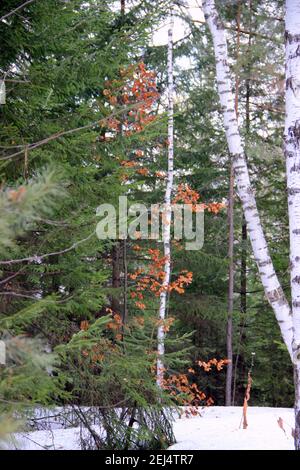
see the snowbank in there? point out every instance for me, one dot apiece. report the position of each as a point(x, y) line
point(217, 428)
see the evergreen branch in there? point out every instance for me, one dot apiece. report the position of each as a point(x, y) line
point(253, 33)
point(59, 134)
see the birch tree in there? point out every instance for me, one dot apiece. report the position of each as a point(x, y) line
point(167, 214)
point(269, 279)
point(230, 213)
point(289, 320)
point(292, 154)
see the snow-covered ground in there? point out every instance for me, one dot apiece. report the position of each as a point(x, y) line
point(217, 428)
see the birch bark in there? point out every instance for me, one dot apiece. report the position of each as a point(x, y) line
point(292, 155)
point(167, 215)
point(228, 394)
point(269, 279)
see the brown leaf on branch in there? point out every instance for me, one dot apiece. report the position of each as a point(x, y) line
point(280, 424)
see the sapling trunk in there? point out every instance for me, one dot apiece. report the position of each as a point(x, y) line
point(167, 216)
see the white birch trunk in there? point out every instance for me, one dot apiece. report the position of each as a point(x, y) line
point(272, 288)
point(167, 215)
point(228, 395)
point(292, 155)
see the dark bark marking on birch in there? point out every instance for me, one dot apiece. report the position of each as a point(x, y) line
point(290, 38)
point(264, 263)
point(292, 191)
point(275, 295)
point(289, 84)
point(294, 132)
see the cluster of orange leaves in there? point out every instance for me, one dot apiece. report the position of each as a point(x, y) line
point(115, 324)
point(215, 207)
point(219, 364)
point(186, 393)
point(17, 195)
point(152, 280)
point(96, 354)
point(143, 171)
point(128, 163)
point(186, 195)
point(160, 174)
point(140, 321)
point(166, 323)
point(84, 325)
point(136, 91)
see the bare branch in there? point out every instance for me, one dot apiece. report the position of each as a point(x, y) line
point(4, 281)
point(38, 258)
point(16, 9)
point(17, 294)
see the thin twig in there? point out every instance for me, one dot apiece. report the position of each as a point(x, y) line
point(40, 257)
point(7, 15)
point(18, 294)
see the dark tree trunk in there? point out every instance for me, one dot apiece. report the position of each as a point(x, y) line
point(116, 283)
point(122, 7)
point(243, 291)
point(125, 286)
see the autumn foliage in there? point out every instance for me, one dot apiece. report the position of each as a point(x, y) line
point(151, 279)
point(185, 390)
point(219, 364)
point(182, 388)
point(135, 93)
point(186, 195)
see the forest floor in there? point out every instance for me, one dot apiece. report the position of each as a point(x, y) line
point(217, 428)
